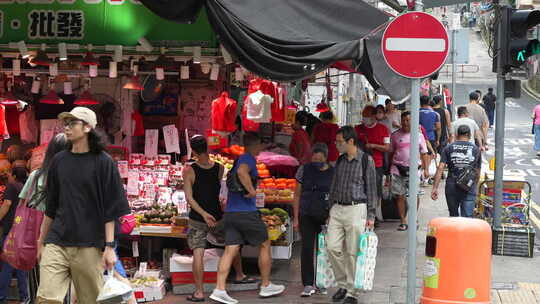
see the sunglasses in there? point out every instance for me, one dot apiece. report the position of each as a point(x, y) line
point(71, 123)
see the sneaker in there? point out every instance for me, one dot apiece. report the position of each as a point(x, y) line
point(308, 291)
point(271, 290)
point(221, 296)
point(323, 291)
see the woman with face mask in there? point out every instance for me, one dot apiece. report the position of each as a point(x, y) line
point(374, 136)
point(311, 208)
point(381, 117)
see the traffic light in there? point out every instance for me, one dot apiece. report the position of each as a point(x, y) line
point(516, 46)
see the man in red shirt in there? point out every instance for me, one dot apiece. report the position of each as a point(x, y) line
point(375, 137)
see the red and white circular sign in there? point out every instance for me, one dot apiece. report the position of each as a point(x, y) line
point(415, 45)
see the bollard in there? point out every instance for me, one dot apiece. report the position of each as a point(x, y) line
point(458, 261)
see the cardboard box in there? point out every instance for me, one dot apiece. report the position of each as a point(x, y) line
point(150, 293)
point(182, 263)
point(181, 278)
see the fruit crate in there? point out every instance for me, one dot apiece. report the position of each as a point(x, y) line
point(513, 240)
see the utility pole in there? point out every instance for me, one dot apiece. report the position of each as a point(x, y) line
point(499, 122)
point(453, 110)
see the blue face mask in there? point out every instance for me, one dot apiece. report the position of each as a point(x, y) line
point(318, 165)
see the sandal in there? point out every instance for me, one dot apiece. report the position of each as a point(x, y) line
point(193, 298)
point(403, 227)
point(246, 280)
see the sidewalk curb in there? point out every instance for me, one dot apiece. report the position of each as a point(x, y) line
point(527, 88)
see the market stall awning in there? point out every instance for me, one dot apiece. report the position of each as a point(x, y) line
point(288, 39)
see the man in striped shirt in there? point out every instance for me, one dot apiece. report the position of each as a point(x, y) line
point(353, 197)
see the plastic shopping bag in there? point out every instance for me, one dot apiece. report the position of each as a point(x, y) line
point(114, 291)
point(366, 260)
point(325, 275)
point(20, 245)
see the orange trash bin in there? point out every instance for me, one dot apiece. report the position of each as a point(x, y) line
point(458, 261)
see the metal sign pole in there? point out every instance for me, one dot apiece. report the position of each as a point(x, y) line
point(453, 109)
point(499, 131)
point(412, 200)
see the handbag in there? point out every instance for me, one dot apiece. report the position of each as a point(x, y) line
point(466, 178)
point(127, 223)
point(233, 181)
point(20, 246)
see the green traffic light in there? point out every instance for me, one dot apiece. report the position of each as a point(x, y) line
point(521, 56)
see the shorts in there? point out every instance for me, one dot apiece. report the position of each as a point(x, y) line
point(400, 185)
point(198, 233)
point(244, 228)
point(380, 174)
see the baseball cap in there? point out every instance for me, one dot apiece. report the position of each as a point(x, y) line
point(82, 113)
point(322, 107)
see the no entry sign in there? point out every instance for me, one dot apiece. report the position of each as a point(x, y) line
point(415, 45)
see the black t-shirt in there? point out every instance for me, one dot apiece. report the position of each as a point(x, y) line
point(84, 191)
point(459, 155)
point(206, 191)
point(11, 194)
point(489, 101)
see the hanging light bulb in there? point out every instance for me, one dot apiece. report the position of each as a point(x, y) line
point(113, 69)
point(41, 57)
point(62, 51)
point(51, 97)
point(86, 98)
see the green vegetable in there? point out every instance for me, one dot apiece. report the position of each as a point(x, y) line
point(284, 215)
point(265, 211)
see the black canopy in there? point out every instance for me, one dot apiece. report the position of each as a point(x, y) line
point(287, 40)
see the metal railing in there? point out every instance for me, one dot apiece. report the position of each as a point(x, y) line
point(460, 69)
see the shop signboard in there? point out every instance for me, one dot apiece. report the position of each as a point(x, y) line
point(97, 22)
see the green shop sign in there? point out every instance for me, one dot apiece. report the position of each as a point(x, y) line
point(98, 22)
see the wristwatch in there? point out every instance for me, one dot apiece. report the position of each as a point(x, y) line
point(112, 245)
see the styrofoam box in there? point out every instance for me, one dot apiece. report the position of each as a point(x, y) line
point(179, 263)
point(278, 252)
point(150, 293)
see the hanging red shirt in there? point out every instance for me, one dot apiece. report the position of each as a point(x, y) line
point(378, 135)
point(326, 133)
point(224, 113)
point(12, 120)
point(137, 120)
point(4, 134)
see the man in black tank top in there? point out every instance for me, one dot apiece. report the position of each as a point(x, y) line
point(202, 183)
point(446, 122)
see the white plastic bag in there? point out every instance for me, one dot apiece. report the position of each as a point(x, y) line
point(325, 275)
point(432, 168)
point(114, 291)
point(366, 261)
